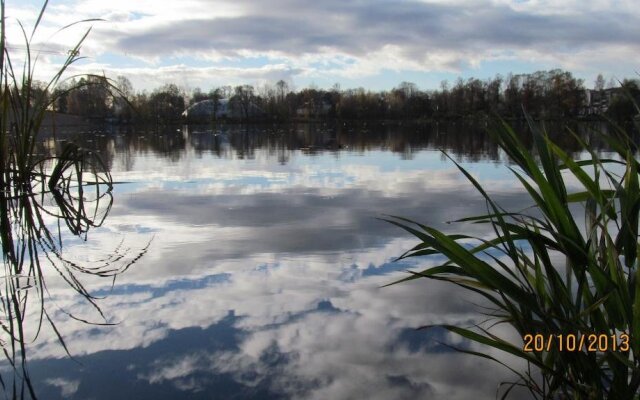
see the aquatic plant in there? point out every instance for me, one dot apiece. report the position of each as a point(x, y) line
point(593, 294)
point(37, 192)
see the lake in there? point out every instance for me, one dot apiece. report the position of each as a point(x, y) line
point(264, 264)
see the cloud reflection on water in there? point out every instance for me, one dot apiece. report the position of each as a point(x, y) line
point(275, 291)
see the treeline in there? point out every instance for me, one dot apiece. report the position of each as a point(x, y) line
point(544, 94)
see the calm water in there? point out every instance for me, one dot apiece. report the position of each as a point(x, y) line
point(266, 260)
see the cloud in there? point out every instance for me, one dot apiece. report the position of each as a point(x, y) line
point(334, 39)
point(415, 32)
point(192, 76)
point(290, 331)
point(332, 340)
point(67, 387)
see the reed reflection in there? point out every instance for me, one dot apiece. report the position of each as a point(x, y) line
point(40, 202)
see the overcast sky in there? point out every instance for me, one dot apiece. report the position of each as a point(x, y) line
point(374, 44)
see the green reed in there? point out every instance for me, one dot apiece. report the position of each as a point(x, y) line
point(36, 190)
point(595, 290)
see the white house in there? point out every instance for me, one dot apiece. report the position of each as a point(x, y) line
point(226, 109)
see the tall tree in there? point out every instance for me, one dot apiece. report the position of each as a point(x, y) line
point(282, 88)
point(244, 97)
point(89, 97)
point(215, 95)
point(599, 83)
point(167, 103)
point(121, 106)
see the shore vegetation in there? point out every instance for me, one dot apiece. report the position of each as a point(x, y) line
point(543, 273)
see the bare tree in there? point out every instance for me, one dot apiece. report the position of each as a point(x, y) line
point(599, 83)
point(282, 90)
point(124, 86)
point(215, 95)
point(409, 88)
point(244, 97)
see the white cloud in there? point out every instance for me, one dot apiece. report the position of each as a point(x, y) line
point(310, 40)
point(67, 387)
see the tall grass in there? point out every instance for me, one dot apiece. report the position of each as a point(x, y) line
point(75, 181)
point(595, 289)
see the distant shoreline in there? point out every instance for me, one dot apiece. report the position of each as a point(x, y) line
point(52, 121)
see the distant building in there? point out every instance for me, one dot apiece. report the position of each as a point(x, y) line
point(203, 110)
point(598, 101)
point(310, 109)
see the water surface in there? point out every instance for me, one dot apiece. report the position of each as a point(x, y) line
point(263, 278)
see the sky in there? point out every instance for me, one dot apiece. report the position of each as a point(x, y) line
point(374, 44)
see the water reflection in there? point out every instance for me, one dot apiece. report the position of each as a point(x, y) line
point(469, 141)
point(37, 198)
point(263, 280)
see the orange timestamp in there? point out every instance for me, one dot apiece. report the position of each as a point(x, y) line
point(576, 342)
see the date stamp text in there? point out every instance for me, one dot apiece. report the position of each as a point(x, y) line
point(576, 342)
